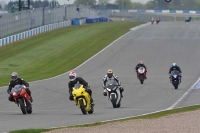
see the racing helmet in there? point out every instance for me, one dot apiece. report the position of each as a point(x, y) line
point(14, 76)
point(110, 73)
point(174, 64)
point(141, 62)
point(72, 76)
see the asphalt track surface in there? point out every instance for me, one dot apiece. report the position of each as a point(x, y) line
point(157, 45)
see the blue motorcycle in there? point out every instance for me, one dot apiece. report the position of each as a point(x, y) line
point(175, 78)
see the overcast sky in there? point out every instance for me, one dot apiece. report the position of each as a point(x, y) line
point(71, 1)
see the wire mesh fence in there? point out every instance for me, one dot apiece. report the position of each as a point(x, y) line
point(25, 20)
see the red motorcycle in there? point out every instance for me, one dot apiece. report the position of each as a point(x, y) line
point(141, 74)
point(22, 99)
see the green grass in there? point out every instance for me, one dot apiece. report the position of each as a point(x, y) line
point(31, 131)
point(58, 51)
point(149, 116)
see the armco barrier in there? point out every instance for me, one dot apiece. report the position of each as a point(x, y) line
point(96, 19)
point(157, 11)
point(78, 21)
point(34, 31)
point(48, 27)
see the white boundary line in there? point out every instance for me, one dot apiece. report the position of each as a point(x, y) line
point(132, 29)
point(170, 108)
point(119, 118)
point(184, 95)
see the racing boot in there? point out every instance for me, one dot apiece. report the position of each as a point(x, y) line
point(121, 90)
point(104, 92)
point(31, 99)
point(170, 79)
point(180, 79)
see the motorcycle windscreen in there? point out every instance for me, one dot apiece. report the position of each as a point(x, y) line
point(77, 86)
point(17, 89)
point(111, 84)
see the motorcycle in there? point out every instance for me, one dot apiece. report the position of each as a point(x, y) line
point(152, 21)
point(175, 78)
point(82, 99)
point(141, 74)
point(157, 21)
point(113, 92)
point(22, 99)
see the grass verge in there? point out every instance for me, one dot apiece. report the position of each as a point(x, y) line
point(58, 51)
point(148, 116)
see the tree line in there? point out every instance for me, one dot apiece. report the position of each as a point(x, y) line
point(120, 4)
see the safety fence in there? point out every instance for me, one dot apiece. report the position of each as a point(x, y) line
point(157, 11)
point(29, 19)
point(147, 15)
point(49, 27)
point(33, 32)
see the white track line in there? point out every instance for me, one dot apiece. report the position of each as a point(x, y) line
point(183, 96)
point(132, 29)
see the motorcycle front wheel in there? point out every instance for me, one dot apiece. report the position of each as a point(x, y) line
point(22, 106)
point(113, 101)
point(141, 79)
point(29, 108)
point(82, 106)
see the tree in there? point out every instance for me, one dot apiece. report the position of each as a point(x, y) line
point(124, 4)
point(85, 2)
point(149, 5)
point(137, 5)
point(104, 2)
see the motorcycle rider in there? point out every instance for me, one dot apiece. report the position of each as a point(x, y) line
point(17, 81)
point(172, 68)
point(152, 20)
point(73, 80)
point(158, 20)
point(141, 64)
point(111, 76)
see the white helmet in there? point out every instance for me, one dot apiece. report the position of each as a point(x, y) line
point(174, 64)
point(72, 76)
point(14, 76)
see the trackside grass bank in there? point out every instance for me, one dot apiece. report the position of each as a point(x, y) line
point(58, 51)
point(149, 116)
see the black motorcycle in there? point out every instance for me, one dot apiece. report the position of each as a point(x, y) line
point(175, 78)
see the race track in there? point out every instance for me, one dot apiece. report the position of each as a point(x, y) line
point(157, 45)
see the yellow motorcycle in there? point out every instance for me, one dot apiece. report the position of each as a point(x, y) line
point(82, 99)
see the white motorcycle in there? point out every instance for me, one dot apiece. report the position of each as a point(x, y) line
point(113, 92)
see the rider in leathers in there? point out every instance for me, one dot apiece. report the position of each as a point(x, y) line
point(73, 80)
point(177, 68)
point(110, 76)
point(17, 81)
point(141, 64)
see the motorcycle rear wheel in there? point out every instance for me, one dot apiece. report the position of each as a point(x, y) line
point(119, 105)
point(91, 111)
point(82, 107)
